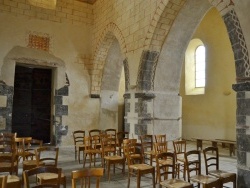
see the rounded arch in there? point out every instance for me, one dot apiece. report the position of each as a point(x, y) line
point(174, 47)
point(161, 23)
point(109, 36)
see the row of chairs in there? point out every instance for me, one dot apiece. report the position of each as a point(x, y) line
point(76, 176)
point(148, 147)
point(79, 136)
point(13, 150)
point(166, 164)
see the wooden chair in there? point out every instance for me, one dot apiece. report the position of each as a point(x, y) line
point(22, 145)
point(48, 156)
point(109, 155)
point(94, 132)
point(147, 147)
point(111, 133)
point(212, 166)
point(7, 139)
point(29, 153)
point(8, 156)
point(53, 171)
point(180, 150)
point(96, 135)
point(160, 138)
point(31, 146)
point(136, 166)
point(3, 181)
point(166, 166)
point(86, 175)
point(134, 154)
point(193, 162)
point(9, 162)
point(160, 147)
point(79, 143)
point(92, 148)
point(120, 136)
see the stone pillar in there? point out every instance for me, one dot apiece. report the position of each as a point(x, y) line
point(167, 116)
point(6, 103)
point(138, 113)
point(148, 111)
point(243, 133)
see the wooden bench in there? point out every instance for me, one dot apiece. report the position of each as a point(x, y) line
point(199, 142)
point(231, 143)
point(215, 142)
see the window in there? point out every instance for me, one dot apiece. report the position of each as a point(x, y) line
point(200, 66)
point(195, 68)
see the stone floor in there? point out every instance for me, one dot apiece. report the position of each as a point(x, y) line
point(118, 180)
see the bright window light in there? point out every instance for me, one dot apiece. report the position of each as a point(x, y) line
point(200, 66)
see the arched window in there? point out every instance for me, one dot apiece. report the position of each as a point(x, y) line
point(200, 66)
point(195, 68)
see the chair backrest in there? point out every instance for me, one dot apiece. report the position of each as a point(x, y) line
point(179, 148)
point(108, 146)
point(46, 155)
point(8, 158)
point(7, 139)
point(78, 137)
point(134, 153)
point(8, 155)
point(125, 143)
point(94, 132)
point(111, 132)
point(160, 147)
point(120, 136)
point(3, 180)
point(147, 142)
point(193, 163)
point(86, 175)
point(167, 167)
point(87, 143)
point(33, 144)
point(22, 143)
point(27, 174)
point(211, 161)
point(160, 138)
point(96, 141)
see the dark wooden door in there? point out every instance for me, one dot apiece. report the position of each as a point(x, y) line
point(32, 103)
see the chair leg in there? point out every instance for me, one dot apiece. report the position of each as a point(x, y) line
point(75, 153)
point(153, 178)
point(138, 179)
point(109, 169)
point(84, 160)
point(79, 157)
point(128, 178)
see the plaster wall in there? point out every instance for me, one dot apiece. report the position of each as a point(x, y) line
point(69, 43)
point(214, 112)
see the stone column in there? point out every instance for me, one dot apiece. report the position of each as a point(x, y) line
point(243, 133)
point(148, 111)
point(6, 102)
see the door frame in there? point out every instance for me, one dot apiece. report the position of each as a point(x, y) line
point(60, 85)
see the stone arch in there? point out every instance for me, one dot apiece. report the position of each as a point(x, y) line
point(109, 94)
point(168, 72)
point(108, 63)
point(161, 23)
point(36, 58)
point(108, 36)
